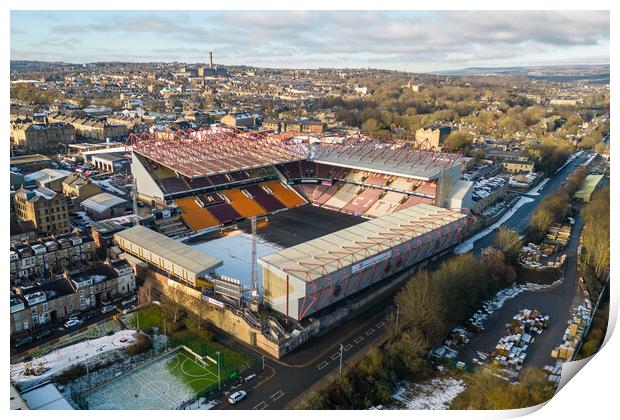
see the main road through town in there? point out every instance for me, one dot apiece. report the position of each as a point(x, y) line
point(283, 383)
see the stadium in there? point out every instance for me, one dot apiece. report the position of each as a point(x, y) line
point(336, 215)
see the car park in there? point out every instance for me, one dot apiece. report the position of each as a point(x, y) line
point(237, 396)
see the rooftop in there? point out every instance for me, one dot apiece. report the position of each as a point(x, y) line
point(387, 158)
point(102, 202)
point(314, 259)
point(180, 254)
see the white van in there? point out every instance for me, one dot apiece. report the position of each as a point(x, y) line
point(108, 308)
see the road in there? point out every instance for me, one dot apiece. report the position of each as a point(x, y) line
point(521, 219)
point(555, 302)
point(285, 382)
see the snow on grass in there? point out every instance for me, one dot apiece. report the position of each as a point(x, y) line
point(60, 359)
point(468, 245)
point(435, 394)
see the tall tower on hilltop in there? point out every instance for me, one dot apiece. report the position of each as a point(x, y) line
point(210, 60)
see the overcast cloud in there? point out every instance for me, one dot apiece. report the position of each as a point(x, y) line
point(414, 41)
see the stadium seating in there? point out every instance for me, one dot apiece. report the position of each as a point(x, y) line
point(356, 175)
point(402, 183)
point(224, 212)
point(386, 204)
point(363, 201)
point(285, 195)
point(324, 192)
point(268, 201)
point(377, 179)
point(173, 185)
point(242, 204)
point(206, 200)
point(195, 216)
point(429, 188)
point(219, 179)
point(196, 183)
point(342, 197)
point(413, 200)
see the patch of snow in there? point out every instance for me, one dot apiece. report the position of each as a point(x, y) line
point(435, 394)
point(468, 245)
point(536, 190)
point(60, 359)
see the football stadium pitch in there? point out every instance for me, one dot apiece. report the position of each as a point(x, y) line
point(162, 385)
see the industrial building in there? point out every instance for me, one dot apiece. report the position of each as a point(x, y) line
point(301, 280)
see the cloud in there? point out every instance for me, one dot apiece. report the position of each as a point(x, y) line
point(356, 37)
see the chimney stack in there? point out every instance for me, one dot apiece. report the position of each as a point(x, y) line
point(210, 60)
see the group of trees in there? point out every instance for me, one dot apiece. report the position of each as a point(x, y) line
point(553, 208)
point(487, 391)
point(550, 154)
point(595, 256)
point(431, 304)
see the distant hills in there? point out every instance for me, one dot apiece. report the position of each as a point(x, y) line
point(593, 73)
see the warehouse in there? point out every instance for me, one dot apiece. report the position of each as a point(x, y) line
point(165, 255)
point(303, 279)
point(588, 187)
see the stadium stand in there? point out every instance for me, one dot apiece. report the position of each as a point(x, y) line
point(412, 200)
point(377, 179)
point(285, 195)
point(243, 204)
point(206, 200)
point(173, 185)
point(194, 216)
point(356, 175)
point(268, 201)
point(224, 212)
point(402, 183)
point(325, 192)
point(197, 183)
point(386, 204)
point(342, 197)
point(429, 188)
point(360, 204)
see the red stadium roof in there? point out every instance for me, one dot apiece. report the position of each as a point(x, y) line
point(217, 150)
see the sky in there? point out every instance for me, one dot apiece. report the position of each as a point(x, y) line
point(410, 41)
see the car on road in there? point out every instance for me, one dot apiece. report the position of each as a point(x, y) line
point(237, 396)
point(108, 308)
point(72, 323)
point(24, 341)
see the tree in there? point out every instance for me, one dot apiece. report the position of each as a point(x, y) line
point(508, 241)
point(370, 126)
point(458, 140)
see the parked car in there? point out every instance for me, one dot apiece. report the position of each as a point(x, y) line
point(237, 396)
point(72, 323)
point(89, 315)
point(24, 341)
point(44, 334)
point(128, 301)
point(108, 308)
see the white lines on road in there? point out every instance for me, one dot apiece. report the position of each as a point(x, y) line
point(322, 365)
point(348, 347)
point(380, 324)
point(277, 395)
point(261, 406)
point(335, 356)
point(370, 331)
point(358, 340)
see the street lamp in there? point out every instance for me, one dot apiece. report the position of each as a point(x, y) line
point(341, 349)
point(263, 357)
point(219, 385)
